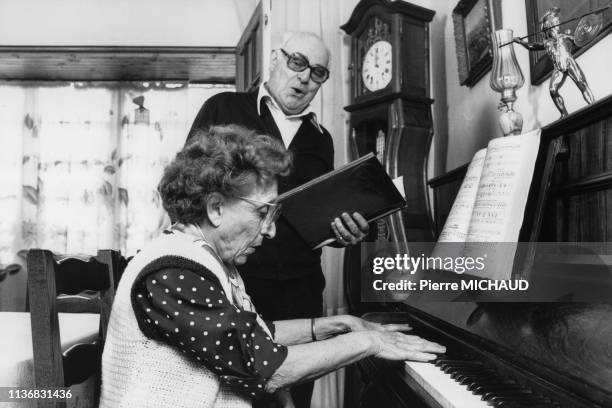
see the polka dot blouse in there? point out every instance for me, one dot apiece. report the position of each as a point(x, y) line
point(190, 312)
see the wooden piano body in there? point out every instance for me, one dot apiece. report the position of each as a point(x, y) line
point(514, 354)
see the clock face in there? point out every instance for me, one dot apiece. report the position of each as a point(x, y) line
point(376, 68)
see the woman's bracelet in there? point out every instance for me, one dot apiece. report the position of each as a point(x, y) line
point(312, 329)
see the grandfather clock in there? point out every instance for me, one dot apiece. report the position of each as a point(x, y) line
point(390, 115)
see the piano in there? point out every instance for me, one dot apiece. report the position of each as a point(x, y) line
point(556, 354)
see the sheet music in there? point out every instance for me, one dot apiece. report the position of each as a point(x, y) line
point(508, 167)
point(458, 221)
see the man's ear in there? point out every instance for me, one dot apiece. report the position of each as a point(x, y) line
point(273, 59)
point(214, 208)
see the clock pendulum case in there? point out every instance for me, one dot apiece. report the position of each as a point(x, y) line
point(390, 115)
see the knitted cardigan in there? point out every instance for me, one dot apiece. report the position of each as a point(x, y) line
point(141, 372)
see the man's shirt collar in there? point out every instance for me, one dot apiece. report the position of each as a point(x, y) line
point(264, 96)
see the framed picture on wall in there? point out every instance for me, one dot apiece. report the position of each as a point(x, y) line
point(473, 21)
point(539, 62)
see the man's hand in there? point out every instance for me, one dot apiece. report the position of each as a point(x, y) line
point(350, 230)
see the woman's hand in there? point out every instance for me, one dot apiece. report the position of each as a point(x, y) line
point(355, 324)
point(397, 346)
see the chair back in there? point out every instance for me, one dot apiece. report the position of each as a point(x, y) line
point(84, 284)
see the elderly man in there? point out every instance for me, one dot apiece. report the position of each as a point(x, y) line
point(284, 276)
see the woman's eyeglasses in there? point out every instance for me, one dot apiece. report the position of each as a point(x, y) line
point(298, 63)
point(273, 210)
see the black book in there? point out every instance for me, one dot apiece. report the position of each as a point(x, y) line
point(361, 186)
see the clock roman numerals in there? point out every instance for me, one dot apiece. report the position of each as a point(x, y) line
point(376, 66)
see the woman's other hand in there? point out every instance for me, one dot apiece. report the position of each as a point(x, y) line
point(355, 324)
point(392, 345)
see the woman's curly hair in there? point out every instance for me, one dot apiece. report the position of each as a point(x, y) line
point(230, 160)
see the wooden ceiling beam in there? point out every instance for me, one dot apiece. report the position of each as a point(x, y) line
point(214, 65)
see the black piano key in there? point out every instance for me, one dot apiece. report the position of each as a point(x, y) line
point(511, 404)
point(460, 376)
point(524, 399)
point(474, 387)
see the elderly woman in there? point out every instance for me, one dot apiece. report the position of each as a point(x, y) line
point(183, 332)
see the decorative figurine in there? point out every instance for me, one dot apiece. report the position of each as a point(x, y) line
point(559, 46)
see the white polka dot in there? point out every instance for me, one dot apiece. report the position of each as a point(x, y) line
point(267, 338)
point(216, 358)
point(176, 313)
point(252, 334)
point(248, 324)
point(218, 324)
point(220, 301)
point(252, 358)
point(212, 287)
point(167, 290)
point(217, 342)
point(244, 336)
point(231, 347)
point(201, 278)
point(148, 320)
point(139, 295)
point(181, 343)
point(275, 349)
point(237, 310)
point(198, 358)
point(221, 314)
point(210, 305)
point(178, 289)
point(191, 313)
point(246, 386)
point(192, 301)
point(205, 333)
point(148, 310)
point(176, 330)
point(207, 300)
point(207, 317)
point(164, 302)
point(181, 277)
point(192, 339)
point(204, 349)
point(233, 324)
point(156, 322)
point(253, 393)
point(164, 277)
point(180, 302)
point(265, 363)
point(229, 363)
point(191, 323)
point(256, 347)
point(258, 385)
point(229, 334)
point(167, 335)
point(248, 364)
point(194, 289)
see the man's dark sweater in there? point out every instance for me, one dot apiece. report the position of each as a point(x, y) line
point(285, 263)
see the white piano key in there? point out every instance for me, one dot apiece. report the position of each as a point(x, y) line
point(442, 388)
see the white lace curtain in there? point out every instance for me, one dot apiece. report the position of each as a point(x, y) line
point(79, 173)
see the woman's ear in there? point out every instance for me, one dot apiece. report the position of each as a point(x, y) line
point(214, 208)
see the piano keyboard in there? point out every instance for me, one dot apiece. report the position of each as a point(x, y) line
point(460, 383)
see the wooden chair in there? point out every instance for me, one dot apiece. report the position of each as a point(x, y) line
point(75, 279)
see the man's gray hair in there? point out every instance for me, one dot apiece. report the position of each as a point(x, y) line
point(290, 35)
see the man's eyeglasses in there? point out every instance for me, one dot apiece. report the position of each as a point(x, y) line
point(273, 210)
point(298, 63)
